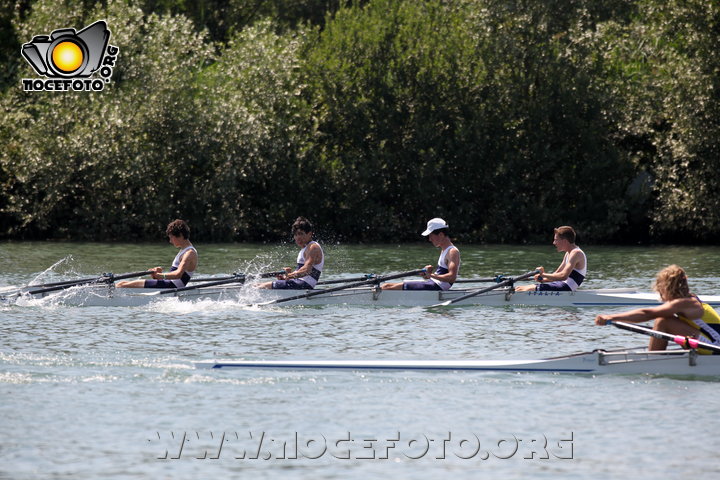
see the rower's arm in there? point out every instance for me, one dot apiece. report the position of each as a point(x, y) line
point(453, 262)
point(686, 306)
point(188, 263)
point(314, 256)
point(565, 269)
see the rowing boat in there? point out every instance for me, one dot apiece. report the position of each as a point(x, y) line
point(628, 361)
point(670, 362)
point(109, 296)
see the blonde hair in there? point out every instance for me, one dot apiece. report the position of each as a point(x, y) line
point(671, 282)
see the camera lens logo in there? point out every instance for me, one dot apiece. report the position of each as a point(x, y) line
point(69, 59)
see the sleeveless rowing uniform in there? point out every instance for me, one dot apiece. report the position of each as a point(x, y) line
point(178, 282)
point(308, 281)
point(571, 283)
point(708, 324)
point(433, 283)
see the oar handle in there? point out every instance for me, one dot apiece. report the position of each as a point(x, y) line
point(685, 342)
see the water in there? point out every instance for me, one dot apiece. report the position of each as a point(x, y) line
point(91, 393)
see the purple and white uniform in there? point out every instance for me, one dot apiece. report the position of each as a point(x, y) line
point(178, 282)
point(433, 283)
point(569, 284)
point(308, 281)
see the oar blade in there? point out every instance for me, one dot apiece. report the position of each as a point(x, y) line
point(443, 304)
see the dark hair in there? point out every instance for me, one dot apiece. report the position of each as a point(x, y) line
point(302, 223)
point(566, 233)
point(445, 230)
point(178, 228)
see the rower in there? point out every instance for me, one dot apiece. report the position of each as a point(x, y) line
point(443, 278)
point(571, 272)
point(310, 260)
point(682, 312)
point(183, 266)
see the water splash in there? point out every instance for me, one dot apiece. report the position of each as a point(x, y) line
point(50, 271)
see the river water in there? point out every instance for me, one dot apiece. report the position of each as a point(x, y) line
point(88, 393)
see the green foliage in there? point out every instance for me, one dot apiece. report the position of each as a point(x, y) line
point(256, 127)
point(393, 84)
point(225, 18)
point(177, 133)
point(507, 118)
point(487, 115)
point(663, 69)
point(100, 165)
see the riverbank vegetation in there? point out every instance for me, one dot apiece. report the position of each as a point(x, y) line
point(505, 117)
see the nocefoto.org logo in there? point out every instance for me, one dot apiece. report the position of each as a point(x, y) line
point(69, 59)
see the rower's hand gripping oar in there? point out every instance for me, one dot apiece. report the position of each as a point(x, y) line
point(504, 283)
point(238, 277)
point(105, 278)
point(313, 293)
point(685, 342)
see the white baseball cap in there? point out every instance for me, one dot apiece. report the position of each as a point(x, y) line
point(434, 224)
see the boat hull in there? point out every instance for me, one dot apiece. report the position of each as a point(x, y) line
point(680, 363)
point(109, 296)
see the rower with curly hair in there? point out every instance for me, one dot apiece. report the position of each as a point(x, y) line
point(183, 266)
point(681, 313)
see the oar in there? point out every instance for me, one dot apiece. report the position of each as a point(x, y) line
point(66, 282)
point(367, 276)
point(313, 293)
point(685, 342)
point(240, 277)
point(496, 279)
point(213, 279)
point(105, 278)
point(504, 283)
point(69, 283)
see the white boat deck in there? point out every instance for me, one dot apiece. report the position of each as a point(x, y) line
point(104, 295)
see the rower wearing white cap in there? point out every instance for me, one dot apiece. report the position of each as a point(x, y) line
point(448, 266)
